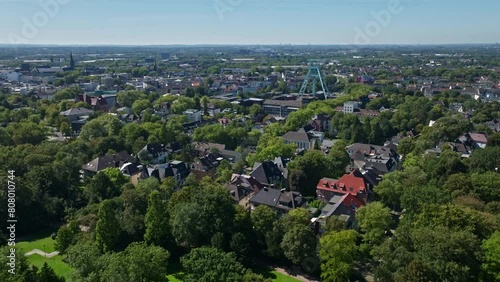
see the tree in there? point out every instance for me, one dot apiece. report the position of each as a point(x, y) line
point(457, 218)
point(240, 245)
point(263, 219)
point(491, 265)
point(486, 159)
point(65, 129)
point(83, 259)
point(47, 274)
point(210, 264)
point(140, 105)
point(103, 126)
point(67, 93)
point(338, 252)
point(146, 263)
point(314, 165)
point(127, 98)
point(270, 148)
point(299, 243)
point(26, 133)
point(157, 221)
point(209, 211)
point(339, 158)
point(21, 265)
point(433, 247)
point(205, 100)
point(138, 262)
point(485, 186)
point(101, 187)
point(66, 236)
point(253, 277)
point(394, 184)
point(374, 219)
point(107, 228)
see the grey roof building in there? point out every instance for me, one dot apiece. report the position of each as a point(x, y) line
point(280, 200)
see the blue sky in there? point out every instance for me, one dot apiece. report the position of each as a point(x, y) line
point(151, 22)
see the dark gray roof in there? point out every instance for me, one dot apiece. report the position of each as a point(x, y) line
point(273, 198)
point(77, 112)
point(267, 173)
point(299, 136)
point(108, 161)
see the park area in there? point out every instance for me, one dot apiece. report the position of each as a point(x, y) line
point(46, 245)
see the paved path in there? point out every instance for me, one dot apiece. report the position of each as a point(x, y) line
point(42, 253)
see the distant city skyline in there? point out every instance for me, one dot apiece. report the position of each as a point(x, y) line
point(248, 22)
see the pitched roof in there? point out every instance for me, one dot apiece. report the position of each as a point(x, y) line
point(77, 112)
point(478, 137)
point(107, 161)
point(338, 205)
point(353, 183)
point(274, 198)
point(299, 136)
point(266, 173)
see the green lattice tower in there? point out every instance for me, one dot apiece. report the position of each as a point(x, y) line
point(312, 78)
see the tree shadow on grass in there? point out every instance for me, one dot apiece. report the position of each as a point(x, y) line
point(38, 235)
point(267, 272)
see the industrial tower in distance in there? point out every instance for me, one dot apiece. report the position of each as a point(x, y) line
point(311, 81)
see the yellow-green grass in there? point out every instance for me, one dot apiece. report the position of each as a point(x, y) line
point(60, 267)
point(283, 278)
point(45, 244)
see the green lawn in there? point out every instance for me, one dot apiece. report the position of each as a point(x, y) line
point(44, 242)
point(60, 267)
point(275, 276)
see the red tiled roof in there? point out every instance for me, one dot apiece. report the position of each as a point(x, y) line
point(351, 201)
point(349, 183)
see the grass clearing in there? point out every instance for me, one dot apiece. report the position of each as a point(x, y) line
point(43, 241)
point(60, 267)
point(274, 275)
point(46, 244)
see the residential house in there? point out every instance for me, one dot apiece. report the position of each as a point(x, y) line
point(108, 161)
point(321, 123)
point(353, 183)
point(206, 166)
point(133, 171)
point(281, 201)
point(176, 169)
point(203, 148)
point(153, 153)
point(343, 206)
point(242, 188)
point(364, 156)
point(477, 140)
point(301, 138)
point(74, 114)
point(268, 174)
point(99, 100)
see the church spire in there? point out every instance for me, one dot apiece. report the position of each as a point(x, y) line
point(71, 61)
